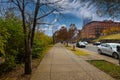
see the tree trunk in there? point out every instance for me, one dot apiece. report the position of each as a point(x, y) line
point(28, 60)
point(28, 49)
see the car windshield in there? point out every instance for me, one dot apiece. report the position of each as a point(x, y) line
point(114, 45)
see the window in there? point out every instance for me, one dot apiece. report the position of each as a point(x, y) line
point(104, 45)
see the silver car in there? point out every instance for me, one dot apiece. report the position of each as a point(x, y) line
point(109, 49)
point(81, 44)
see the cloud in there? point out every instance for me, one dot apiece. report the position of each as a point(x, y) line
point(61, 26)
point(76, 7)
point(53, 28)
point(44, 29)
point(79, 8)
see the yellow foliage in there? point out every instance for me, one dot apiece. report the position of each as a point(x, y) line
point(112, 30)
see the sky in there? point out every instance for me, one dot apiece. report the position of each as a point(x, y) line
point(75, 12)
point(66, 20)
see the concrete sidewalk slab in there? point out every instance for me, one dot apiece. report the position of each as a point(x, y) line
point(61, 64)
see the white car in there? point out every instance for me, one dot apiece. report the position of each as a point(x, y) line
point(109, 49)
point(81, 44)
point(86, 43)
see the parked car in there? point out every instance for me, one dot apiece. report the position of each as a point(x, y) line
point(86, 43)
point(81, 44)
point(96, 43)
point(109, 49)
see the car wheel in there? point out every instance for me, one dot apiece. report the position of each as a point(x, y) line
point(115, 55)
point(99, 51)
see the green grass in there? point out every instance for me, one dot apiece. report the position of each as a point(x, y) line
point(109, 68)
point(112, 36)
point(78, 51)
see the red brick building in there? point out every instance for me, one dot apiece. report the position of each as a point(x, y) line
point(95, 28)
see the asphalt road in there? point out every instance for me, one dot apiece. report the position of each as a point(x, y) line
point(91, 48)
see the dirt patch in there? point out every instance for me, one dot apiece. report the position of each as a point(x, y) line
point(18, 72)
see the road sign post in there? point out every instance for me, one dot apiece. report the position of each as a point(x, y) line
point(118, 49)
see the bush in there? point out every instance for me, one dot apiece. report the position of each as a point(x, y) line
point(38, 47)
point(40, 43)
point(36, 52)
point(20, 58)
point(8, 65)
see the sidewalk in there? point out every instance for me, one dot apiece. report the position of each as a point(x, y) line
point(62, 64)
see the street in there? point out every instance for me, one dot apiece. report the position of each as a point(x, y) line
point(91, 47)
point(92, 50)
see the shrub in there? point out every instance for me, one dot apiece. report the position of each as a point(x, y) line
point(40, 43)
point(8, 65)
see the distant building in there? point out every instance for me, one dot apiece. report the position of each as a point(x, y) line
point(95, 28)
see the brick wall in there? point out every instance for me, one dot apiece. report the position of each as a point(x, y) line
point(95, 28)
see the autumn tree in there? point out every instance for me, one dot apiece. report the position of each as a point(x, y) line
point(72, 32)
point(66, 35)
point(78, 37)
point(112, 30)
point(106, 32)
point(61, 34)
point(55, 35)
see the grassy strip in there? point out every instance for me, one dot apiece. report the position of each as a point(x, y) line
point(109, 68)
point(78, 51)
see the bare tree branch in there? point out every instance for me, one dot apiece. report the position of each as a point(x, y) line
point(34, 21)
point(48, 2)
point(46, 14)
point(42, 23)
